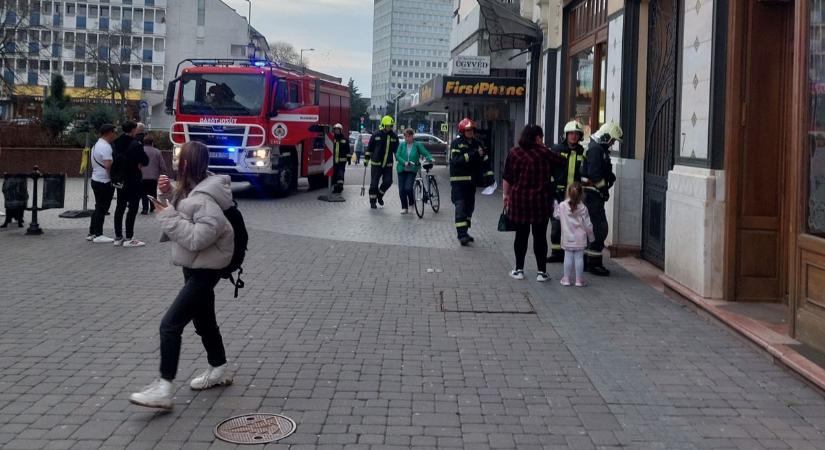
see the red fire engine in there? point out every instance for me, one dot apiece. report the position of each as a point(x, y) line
point(262, 123)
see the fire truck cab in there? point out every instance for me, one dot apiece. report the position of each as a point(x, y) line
point(262, 123)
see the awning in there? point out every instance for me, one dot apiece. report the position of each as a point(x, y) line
point(508, 30)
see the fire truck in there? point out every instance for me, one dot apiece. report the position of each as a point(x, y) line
point(263, 123)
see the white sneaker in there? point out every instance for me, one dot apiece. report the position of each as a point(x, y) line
point(156, 395)
point(102, 240)
point(213, 376)
point(90, 237)
point(405, 211)
point(517, 274)
point(541, 277)
point(133, 243)
point(118, 242)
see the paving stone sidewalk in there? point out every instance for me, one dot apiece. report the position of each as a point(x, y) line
point(348, 326)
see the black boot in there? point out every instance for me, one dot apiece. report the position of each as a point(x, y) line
point(556, 256)
point(465, 240)
point(593, 264)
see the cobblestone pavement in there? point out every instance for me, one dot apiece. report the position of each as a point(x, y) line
point(376, 330)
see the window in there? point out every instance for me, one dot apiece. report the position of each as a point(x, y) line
point(201, 13)
point(81, 9)
point(222, 94)
point(816, 120)
point(159, 45)
point(104, 11)
point(93, 11)
point(115, 12)
point(147, 55)
point(81, 22)
point(148, 27)
point(70, 9)
point(104, 24)
point(79, 80)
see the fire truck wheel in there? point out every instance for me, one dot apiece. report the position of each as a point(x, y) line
point(285, 181)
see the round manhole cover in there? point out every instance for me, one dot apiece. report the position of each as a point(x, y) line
point(255, 428)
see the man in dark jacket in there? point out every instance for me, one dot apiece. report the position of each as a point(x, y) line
point(466, 159)
point(379, 156)
point(340, 157)
point(565, 174)
point(128, 159)
point(597, 177)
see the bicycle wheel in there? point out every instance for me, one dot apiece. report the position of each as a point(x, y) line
point(418, 194)
point(435, 200)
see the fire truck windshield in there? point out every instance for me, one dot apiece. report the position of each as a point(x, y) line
point(222, 94)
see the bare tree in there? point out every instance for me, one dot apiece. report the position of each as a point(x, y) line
point(110, 56)
point(14, 18)
point(284, 52)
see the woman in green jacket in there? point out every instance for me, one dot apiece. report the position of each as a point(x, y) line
point(407, 164)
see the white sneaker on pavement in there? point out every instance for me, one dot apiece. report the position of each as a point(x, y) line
point(102, 240)
point(156, 395)
point(118, 242)
point(133, 243)
point(213, 376)
point(405, 211)
point(90, 237)
point(541, 277)
point(517, 274)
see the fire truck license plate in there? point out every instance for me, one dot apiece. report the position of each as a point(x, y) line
point(219, 155)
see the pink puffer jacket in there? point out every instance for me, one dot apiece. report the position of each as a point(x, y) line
point(576, 229)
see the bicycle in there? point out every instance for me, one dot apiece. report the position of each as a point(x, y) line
point(426, 192)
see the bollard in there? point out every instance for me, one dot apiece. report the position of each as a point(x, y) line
point(34, 227)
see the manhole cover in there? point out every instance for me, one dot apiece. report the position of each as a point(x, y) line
point(254, 428)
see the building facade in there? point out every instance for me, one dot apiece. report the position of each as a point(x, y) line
point(720, 175)
point(83, 41)
point(411, 44)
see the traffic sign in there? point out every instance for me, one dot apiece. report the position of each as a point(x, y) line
point(444, 127)
point(328, 154)
point(144, 104)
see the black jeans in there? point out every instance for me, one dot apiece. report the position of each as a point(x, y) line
point(539, 244)
point(127, 197)
point(338, 173)
point(406, 180)
point(103, 201)
point(195, 303)
point(150, 187)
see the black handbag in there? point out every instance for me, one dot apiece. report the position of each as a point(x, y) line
point(504, 223)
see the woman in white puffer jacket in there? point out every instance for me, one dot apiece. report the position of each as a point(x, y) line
point(192, 219)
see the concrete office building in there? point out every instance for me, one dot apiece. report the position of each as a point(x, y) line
point(73, 39)
point(411, 44)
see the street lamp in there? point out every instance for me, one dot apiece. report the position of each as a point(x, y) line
point(397, 97)
point(249, 21)
point(301, 63)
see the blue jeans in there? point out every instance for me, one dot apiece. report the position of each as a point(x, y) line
point(406, 180)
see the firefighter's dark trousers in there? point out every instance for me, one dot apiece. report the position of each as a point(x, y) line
point(594, 202)
point(463, 196)
point(555, 235)
point(380, 181)
point(338, 177)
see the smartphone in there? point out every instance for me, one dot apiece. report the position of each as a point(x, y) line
point(154, 200)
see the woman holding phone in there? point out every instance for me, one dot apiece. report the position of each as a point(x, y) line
point(191, 217)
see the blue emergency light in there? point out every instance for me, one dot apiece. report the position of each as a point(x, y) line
point(231, 149)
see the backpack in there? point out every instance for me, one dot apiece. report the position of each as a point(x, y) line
point(117, 172)
point(235, 218)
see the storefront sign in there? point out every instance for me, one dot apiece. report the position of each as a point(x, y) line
point(484, 87)
point(471, 65)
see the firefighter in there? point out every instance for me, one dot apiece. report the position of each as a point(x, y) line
point(379, 156)
point(466, 159)
point(597, 177)
point(564, 175)
point(340, 158)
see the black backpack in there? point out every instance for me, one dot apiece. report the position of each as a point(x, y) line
point(235, 218)
point(117, 172)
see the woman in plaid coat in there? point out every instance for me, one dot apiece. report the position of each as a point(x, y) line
point(528, 197)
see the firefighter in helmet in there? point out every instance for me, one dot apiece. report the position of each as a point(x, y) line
point(466, 158)
point(379, 156)
point(340, 157)
point(564, 175)
point(597, 177)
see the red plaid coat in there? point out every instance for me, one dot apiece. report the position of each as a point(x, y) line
point(529, 173)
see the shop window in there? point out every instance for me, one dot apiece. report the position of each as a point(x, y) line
point(816, 120)
point(582, 95)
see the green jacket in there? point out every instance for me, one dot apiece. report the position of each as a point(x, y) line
point(416, 153)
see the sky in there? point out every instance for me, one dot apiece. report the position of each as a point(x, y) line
point(340, 31)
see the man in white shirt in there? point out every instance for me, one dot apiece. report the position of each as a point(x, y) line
point(101, 161)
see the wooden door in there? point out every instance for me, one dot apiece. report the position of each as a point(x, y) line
point(660, 126)
point(761, 218)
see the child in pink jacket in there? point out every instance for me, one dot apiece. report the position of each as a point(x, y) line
point(576, 232)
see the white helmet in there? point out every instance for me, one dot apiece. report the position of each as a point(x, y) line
point(338, 126)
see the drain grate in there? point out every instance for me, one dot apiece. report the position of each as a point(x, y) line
point(255, 428)
point(485, 302)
